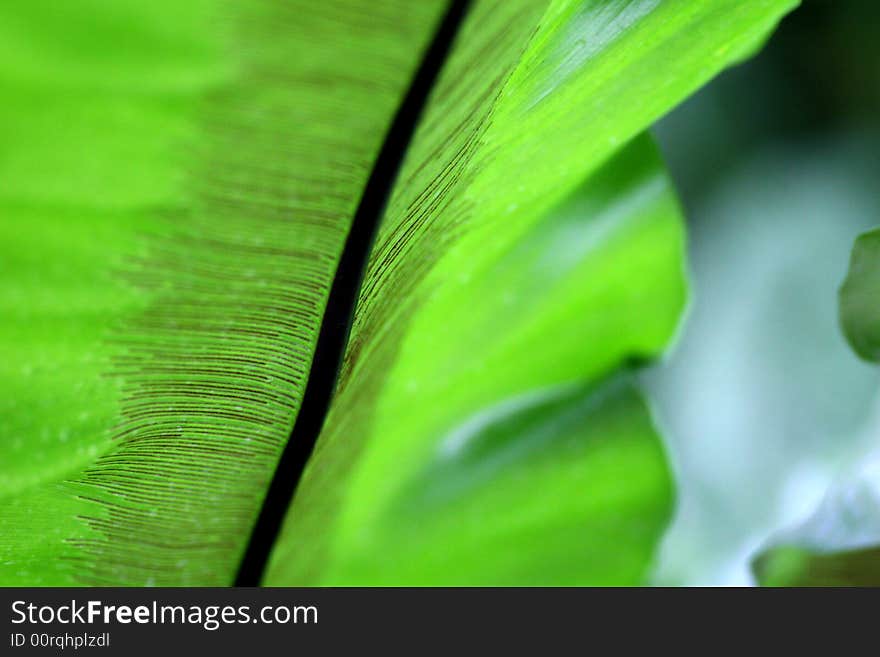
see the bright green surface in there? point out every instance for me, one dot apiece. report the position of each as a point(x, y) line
point(545, 483)
point(88, 152)
point(560, 484)
point(176, 181)
point(860, 297)
point(511, 262)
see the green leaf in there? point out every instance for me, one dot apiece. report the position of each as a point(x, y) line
point(462, 308)
point(176, 185)
point(491, 434)
point(859, 296)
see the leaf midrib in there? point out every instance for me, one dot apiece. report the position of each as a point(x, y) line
point(336, 323)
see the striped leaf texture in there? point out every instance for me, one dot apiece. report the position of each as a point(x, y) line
point(179, 183)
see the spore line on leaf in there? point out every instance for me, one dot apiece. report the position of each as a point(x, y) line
point(336, 324)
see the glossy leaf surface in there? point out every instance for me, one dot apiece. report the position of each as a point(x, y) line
point(463, 309)
point(177, 181)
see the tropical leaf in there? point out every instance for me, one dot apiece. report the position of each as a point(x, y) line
point(495, 181)
point(517, 426)
point(177, 184)
point(175, 195)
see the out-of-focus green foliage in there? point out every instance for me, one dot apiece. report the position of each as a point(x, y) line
point(754, 427)
point(795, 129)
point(763, 404)
point(839, 544)
point(860, 297)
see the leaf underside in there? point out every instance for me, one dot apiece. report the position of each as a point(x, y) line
point(176, 186)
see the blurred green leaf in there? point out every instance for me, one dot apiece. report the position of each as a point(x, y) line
point(860, 297)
